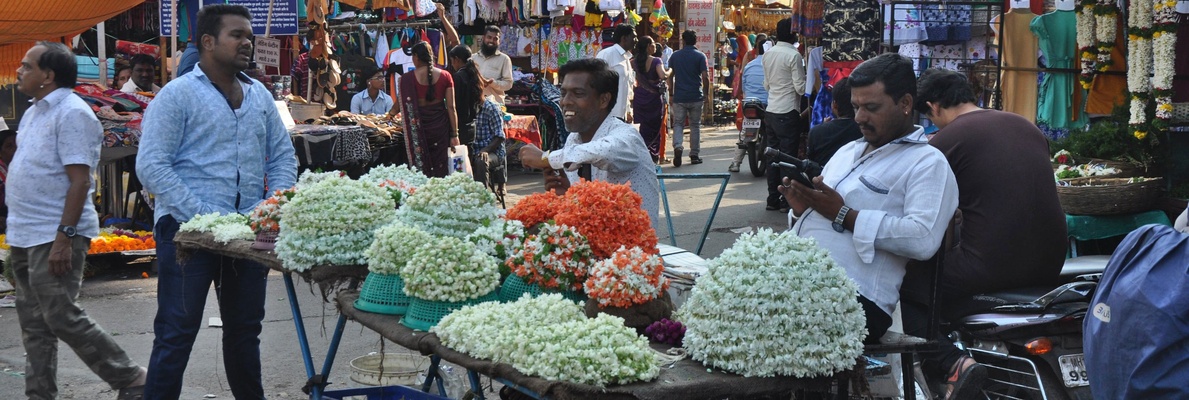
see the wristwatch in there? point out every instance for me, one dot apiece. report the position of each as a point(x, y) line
point(69, 230)
point(838, 220)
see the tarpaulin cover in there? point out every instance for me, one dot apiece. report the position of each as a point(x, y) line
point(1137, 335)
point(22, 23)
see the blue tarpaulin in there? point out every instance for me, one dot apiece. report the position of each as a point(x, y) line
point(1137, 333)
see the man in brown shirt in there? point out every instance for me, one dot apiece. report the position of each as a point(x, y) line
point(1012, 229)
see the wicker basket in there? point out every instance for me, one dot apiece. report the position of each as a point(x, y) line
point(1126, 169)
point(1108, 196)
point(265, 241)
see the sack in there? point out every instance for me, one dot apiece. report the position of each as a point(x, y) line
point(460, 161)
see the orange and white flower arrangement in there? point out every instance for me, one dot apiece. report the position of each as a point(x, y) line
point(267, 215)
point(556, 257)
point(627, 278)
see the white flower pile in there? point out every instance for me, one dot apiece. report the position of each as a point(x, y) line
point(225, 228)
point(499, 239)
point(449, 269)
point(309, 178)
point(393, 246)
point(454, 206)
point(331, 222)
point(774, 304)
point(549, 337)
point(395, 173)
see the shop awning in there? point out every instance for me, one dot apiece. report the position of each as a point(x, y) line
point(376, 4)
point(22, 23)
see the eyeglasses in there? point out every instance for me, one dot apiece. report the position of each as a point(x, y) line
point(376, 78)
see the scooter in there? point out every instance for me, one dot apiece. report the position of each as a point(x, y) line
point(751, 138)
point(1031, 339)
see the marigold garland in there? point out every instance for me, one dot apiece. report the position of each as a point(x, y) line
point(609, 215)
point(116, 240)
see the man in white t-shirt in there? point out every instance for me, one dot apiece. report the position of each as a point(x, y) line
point(619, 58)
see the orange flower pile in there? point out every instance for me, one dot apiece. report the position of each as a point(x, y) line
point(109, 243)
point(627, 278)
point(609, 215)
point(535, 208)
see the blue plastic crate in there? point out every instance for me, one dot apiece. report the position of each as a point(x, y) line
point(382, 393)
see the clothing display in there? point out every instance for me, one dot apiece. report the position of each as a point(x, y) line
point(1057, 32)
point(850, 30)
point(1108, 91)
point(1019, 51)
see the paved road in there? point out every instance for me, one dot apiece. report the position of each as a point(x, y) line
point(124, 303)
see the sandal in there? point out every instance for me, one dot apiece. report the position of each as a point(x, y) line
point(131, 393)
point(965, 380)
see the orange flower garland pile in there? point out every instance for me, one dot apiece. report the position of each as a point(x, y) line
point(627, 278)
point(609, 215)
point(119, 240)
point(535, 208)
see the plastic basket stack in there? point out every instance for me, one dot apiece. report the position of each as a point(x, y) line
point(424, 314)
point(383, 294)
point(514, 286)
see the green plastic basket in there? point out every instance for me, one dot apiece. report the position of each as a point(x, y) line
point(514, 286)
point(424, 314)
point(383, 294)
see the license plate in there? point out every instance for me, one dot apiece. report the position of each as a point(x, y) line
point(749, 123)
point(1073, 370)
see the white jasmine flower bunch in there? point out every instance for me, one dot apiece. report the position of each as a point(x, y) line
point(453, 206)
point(774, 304)
point(449, 269)
point(309, 178)
point(548, 336)
point(557, 257)
point(495, 331)
point(332, 223)
point(224, 227)
point(628, 277)
point(500, 239)
point(393, 246)
point(395, 173)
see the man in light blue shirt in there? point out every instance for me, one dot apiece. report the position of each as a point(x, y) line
point(373, 100)
point(213, 142)
point(753, 87)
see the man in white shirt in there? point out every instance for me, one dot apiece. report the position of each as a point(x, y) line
point(373, 100)
point(619, 58)
point(613, 150)
point(882, 200)
point(494, 65)
point(784, 78)
point(144, 69)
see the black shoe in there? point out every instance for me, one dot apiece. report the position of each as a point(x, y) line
point(695, 160)
point(677, 158)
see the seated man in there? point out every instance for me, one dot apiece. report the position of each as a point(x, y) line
point(826, 138)
point(372, 100)
point(487, 151)
point(144, 69)
point(883, 200)
point(1012, 228)
point(613, 150)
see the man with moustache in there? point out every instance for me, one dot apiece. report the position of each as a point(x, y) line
point(600, 147)
point(211, 139)
point(494, 65)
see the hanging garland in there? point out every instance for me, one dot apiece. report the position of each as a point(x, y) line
point(1164, 43)
point(1105, 15)
point(1087, 46)
point(1139, 65)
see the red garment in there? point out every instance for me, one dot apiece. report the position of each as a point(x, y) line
point(839, 70)
point(443, 83)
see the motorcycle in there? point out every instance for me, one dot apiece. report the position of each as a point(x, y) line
point(1030, 339)
point(752, 136)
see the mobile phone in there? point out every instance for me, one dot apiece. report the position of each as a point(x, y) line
point(793, 172)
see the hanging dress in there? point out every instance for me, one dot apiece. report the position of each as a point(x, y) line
point(1057, 32)
point(1019, 51)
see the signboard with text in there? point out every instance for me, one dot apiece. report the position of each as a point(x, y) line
point(700, 18)
point(268, 52)
point(284, 15)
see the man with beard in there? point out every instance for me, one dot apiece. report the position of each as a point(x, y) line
point(200, 155)
point(602, 147)
point(494, 65)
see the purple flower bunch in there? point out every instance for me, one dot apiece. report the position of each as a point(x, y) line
point(666, 331)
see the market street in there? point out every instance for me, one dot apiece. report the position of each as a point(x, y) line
point(124, 303)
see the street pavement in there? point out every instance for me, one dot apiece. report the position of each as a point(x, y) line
point(124, 303)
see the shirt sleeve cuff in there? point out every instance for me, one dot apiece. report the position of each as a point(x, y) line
point(866, 229)
point(555, 159)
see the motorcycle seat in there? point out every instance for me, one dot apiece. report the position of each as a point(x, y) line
point(987, 302)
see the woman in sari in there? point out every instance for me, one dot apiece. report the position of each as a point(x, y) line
point(648, 105)
point(427, 105)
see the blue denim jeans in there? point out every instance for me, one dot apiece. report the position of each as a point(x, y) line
point(181, 296)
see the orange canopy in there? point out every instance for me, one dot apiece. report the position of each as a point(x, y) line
point(22, 23)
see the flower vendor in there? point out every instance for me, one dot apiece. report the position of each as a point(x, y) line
point(605, 149)
point(199, 155)
point(883, 200)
